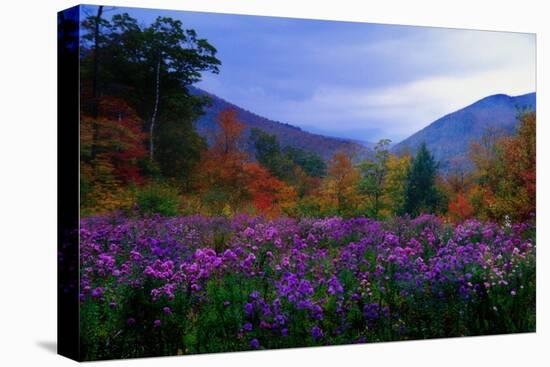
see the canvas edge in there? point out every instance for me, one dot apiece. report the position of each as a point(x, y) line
point(68, 39)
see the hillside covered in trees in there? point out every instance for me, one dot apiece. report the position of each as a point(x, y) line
point(288, 135)
point(152, 142)
point(450, 137)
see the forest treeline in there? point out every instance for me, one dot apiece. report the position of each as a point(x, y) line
point(140, 152)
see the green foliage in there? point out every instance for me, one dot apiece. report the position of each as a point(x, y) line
point(268, 154)
point(280, 161)
point(373, 174)
point(308, 207)
point(311, 163)
point(216, 200)
point(339, 195)
point(178, 151)
point(421, 194)
point(150, 169)
point(474, 299)
point(149, 68)
point(502, 186)
point(158, 198)
point(395, 184)
point(134, 93)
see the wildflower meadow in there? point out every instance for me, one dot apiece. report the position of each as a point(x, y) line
point(166, 286)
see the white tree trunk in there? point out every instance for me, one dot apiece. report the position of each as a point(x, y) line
point(154, 116)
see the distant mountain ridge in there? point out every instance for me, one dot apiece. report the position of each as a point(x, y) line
point(449, 137)
point(288, 135)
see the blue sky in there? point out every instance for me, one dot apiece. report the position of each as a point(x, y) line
point(355, 80)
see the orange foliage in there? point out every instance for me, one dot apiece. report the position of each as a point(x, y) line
point(222, 167)
point(225, 171)
point(340, 186)
point(116, 136)
point(460, 208)
point(229, 139)
point(269, 194)
point(506, 173)
point(520, 160)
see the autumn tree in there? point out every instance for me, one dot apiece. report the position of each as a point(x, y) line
point(460, 208)
point(397, 168)
point(515, 195)
point(484, 154)
point(150, 68)
point(111, 150)
point(221, 172)
point(339, 192)
point(304, 183)
point(507, 179)
point(270, 196)
point(504, 180)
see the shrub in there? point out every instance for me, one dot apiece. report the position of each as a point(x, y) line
point(158, 198)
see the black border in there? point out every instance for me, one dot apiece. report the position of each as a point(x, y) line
point(68, 39)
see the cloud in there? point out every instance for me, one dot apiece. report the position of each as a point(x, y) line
point(400, 110)
point(366, 81)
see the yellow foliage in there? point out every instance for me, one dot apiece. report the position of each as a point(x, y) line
point(394, 184)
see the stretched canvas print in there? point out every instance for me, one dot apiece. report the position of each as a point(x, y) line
point(235, 183)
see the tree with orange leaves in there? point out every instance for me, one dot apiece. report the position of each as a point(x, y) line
point(506, 173)
point(460, 208)
point(517, 194)
point(269, 194)
point(222, 177)
point(339, 193)
point(111, 149)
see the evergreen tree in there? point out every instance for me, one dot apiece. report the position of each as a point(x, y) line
point(421, 194)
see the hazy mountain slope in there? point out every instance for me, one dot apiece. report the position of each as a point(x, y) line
point(288, 135)
point(449, 138)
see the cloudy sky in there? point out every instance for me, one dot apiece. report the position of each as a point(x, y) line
point(356, 80)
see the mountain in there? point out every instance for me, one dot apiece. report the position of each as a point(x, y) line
point(449, 138)
point(288, 135)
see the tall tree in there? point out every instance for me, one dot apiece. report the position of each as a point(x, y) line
point(94, 23)
point(421, 194)
point(96, 51)
point(373, 174)
point(484, 153)
point(507, 178)
point(174, 53)
point(517, 191)
point(340, 186)
point(150, 67)
point(222, 169)
point(118, 139)
point(395, 183)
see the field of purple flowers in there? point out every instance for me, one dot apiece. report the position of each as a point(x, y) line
point(165, 286)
